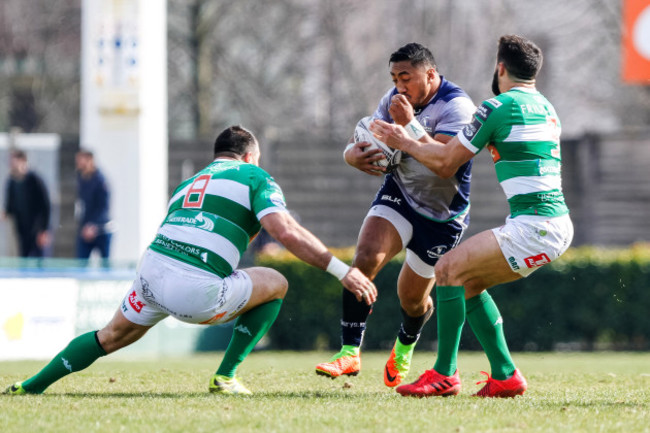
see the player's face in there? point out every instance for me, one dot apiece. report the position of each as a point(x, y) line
point(414, 82)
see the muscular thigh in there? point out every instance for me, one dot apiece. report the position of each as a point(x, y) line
point(477, 263)
point(379, 241)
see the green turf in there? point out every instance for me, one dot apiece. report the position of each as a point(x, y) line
point(568, 392)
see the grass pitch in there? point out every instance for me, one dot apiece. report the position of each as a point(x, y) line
point(568, 392)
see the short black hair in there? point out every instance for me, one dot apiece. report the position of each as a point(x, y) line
point(415, 53)
point(234, 140)
point(520, 56)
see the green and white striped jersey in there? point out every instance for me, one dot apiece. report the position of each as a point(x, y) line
point(522, 132)
point(213, 216)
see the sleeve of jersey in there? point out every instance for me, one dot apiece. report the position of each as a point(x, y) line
point(456, 114)
point(479, 132)
point(382, 109)
point(266, 196)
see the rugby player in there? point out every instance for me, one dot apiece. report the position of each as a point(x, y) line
point(414, 209)
point(190, 269)
point(521, 130)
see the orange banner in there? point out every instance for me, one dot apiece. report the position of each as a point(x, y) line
point(636, 41)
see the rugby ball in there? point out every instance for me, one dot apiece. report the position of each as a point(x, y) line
point(362, 133)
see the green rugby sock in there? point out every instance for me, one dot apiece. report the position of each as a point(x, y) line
point(249, 328)
point(451, 317)
point(485, 320)
point(78, 354)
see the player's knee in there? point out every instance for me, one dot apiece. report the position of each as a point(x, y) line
point(368, 260)
point(445, 275)
point(280, 284)
point(415, 305)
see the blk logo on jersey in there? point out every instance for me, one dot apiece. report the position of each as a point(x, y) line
point(135, 303)
point(537, 261)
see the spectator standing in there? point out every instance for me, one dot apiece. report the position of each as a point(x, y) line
point(28, 204)
point(92, 208)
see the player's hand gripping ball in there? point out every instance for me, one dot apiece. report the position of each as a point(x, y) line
point(362, 133)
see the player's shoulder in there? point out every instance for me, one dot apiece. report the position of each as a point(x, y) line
point(449, 91)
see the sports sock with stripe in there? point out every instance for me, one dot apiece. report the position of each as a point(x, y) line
point(353, 322)
point(249, 328)
point(411, 327)
point(78, 354)
point(485, 320)
point(451, 318)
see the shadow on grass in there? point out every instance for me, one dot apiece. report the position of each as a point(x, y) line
point(289, 395)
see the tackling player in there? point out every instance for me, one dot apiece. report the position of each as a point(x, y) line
point(521, 130)
point(190, 269)
point(414, 209)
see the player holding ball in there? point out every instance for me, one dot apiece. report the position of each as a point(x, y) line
point(414, 209)
point(521, 129)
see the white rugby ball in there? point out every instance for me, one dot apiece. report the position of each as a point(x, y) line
point(362, 133)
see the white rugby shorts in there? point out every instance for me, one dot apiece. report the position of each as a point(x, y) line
point(167, 287)
point(529, 241)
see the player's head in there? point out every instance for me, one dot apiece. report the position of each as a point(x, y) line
point(237, 142)
point(520, 57)
point(416, 54)
point(414, 73)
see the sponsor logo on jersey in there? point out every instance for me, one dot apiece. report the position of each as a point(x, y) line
point(550, 170)
point(135, 303)
point(437, 251)
point(494, 102)
point(391, 199)
point(425, 121)
point(494, 153)
point(483, 111)
point(205, 222)
point(277, 199)
point(537, 261)
point(498, 321)
point(513, 263)
point(471, 129)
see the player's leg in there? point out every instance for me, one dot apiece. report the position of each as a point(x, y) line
point(268, 290)
point(416, 305)
point(82, 351)
point(379, 241)
point(476, 264)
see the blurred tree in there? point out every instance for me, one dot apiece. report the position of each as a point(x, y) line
point(39, 65)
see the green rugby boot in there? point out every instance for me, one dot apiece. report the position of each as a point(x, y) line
point(398, 364)
point(15, 389)
point(227, 385)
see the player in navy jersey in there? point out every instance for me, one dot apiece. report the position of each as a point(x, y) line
point(190, 269)
point(521, 130)
point(414, 209)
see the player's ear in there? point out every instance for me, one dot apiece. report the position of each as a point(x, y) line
point(431, 73)
point(501, 68)
point(248, 157)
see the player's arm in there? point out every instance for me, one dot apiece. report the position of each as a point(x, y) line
point(363, 160)
point(444, 159)
point(308, 248)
